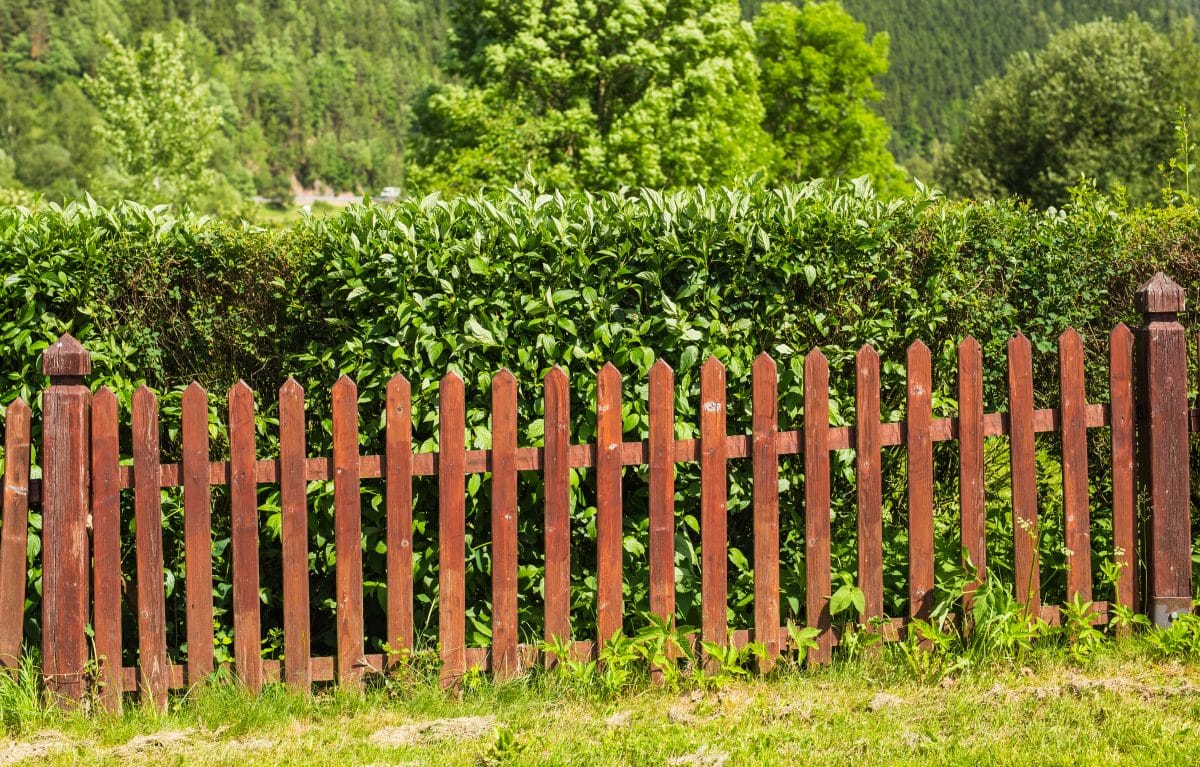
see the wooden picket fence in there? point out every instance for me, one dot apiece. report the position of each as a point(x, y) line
point(82, 475)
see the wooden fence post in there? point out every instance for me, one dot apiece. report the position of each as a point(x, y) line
point(66, 413)
point(1163, 447)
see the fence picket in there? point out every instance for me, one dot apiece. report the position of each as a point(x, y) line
point(1073, 408)
point(294, 536)
point(14, 534)
point(662, 491)
point(106, 545)
point(609, 533)
point(1024, 474)
point(765, 426)
point(398, 477)
point(452, 620)
point(714, 545)
point(919, 446)
point(557, 480)
point(504, 525)
point(347, 524)
point(869, 481)
point(197, 522)
point(152, 607)
point(243, 504)
point(816, 503)
point(970, 455)
point(1120, 386)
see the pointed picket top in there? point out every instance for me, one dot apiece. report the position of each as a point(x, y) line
point(610, 372)
point(193, 390)
point(66, 357)
point(240, 390)
point(661, 367)
point(345, 384)
point(815, 356)
point(1018, 343)
point(556, 375)
point(1160, 295)
point(18, 408)
point(291, 387)
point(712, 363)
point(398, 382)
point(1070, 338)
point(764, 364)
point(1121, 333)
point(969, 344)
point(451, 377)
point(866, 354)
point(504, 377)
point(918, 347)
point(144, 394)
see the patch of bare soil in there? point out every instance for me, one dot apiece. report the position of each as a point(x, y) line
point(703, 757)
point(44, 744)
point(884, 700)
point(1077, 685)
point(461, 728)
point(165, 741)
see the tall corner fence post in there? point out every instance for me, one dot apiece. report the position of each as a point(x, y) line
point(66, 490)
point(1163, 455)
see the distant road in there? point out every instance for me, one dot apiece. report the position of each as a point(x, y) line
point(306, 199)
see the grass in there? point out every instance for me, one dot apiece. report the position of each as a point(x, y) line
point(1126, 705)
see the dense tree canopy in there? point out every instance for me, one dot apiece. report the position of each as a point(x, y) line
point(594, 95)
point(1098, 102)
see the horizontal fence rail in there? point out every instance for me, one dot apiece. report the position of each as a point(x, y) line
point(86, 476)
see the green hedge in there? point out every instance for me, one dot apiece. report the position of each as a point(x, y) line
point(526, 281)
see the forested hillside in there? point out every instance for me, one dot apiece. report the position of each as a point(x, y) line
point(313, 89)
point(942, 49)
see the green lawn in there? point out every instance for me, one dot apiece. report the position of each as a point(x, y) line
point(1122, 708)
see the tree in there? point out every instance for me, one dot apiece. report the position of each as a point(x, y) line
point(160, 122)
point(1098, 102)
point(594, 94)
point(817, 81)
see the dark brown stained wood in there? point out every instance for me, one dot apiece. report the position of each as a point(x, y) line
point(765, 426)
point(297, 644)
point(14, 532)
point(970, 454)
point(609, 533)
point(452, 620)
point(1024, 474)
point(816, 503)
point(505, 663)
point(398, 474)
point(919, 445)
point(1163, 447)
point(66, 480)
point(1120, 383)
point(662, 491)
point(869, 481)
point(1075, 465)
point(197, 525)
point(714, 541)
point(106, 546)
point(347, 531)
point(243, 503)
point(151, 597)
point(556, 471)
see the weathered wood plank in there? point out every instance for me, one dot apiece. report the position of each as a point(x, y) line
point(399, 499)
point(106, 546)
point(609, 525)
point(452, 621)
point(557, 479)
point(1075, 465)
point(152, 606)
point(243, 502)
point(505, 662)
point(293, 500)
point(970, 452)
point(197, 526)
point(1120, 384)
point(347, 530)
point(816, 503)
point(1023, 466)
point(869, 483)
point(662, 491)
point(919, 445)
point(765, 427)
point(14, 534)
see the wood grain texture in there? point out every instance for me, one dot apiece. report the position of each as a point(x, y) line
point(816, 503)
point(765, 427)
point(243, 503)
point(197, 531)
point(505, 662)
point(714, 539)
point(107, 583)
point(398, 476)
point(919, 446)
point(869, 485)
point(970, 456)
point(662, 491)
point(452, 621)
point(556, 472)
point(1022, 462)
point(152, 606)
point(609, 525)
point(14, 532)
point(293, 501)
point(1073, 407)
point(1120, 384)
point(347, 531)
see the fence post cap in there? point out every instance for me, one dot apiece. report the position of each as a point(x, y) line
point(66, 357)
point(1160, 295)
